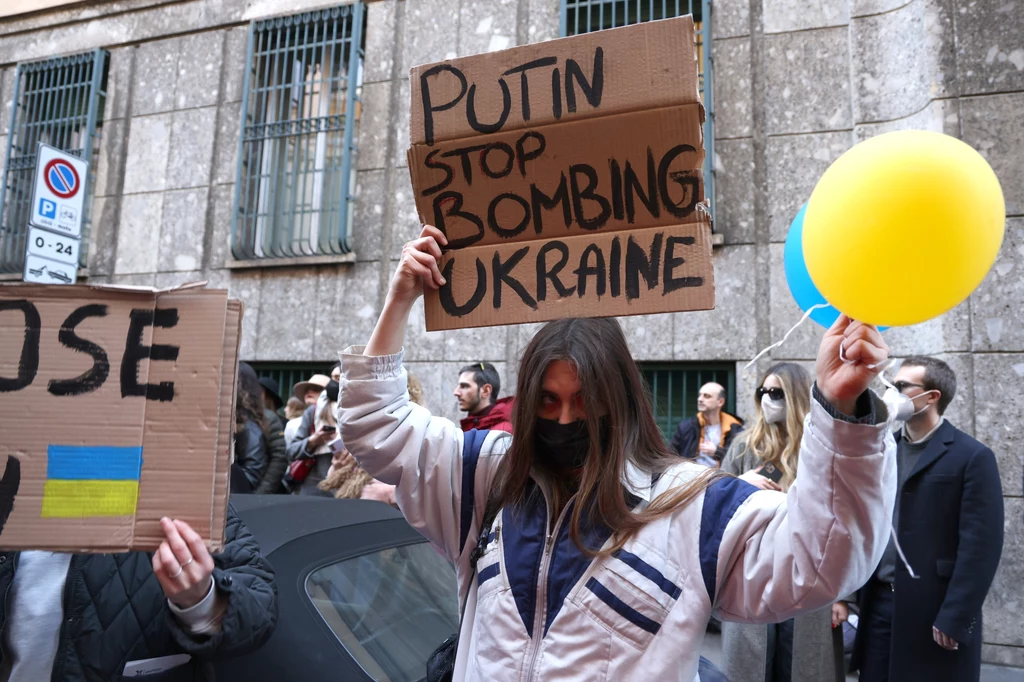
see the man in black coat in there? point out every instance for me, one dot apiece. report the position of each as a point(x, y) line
point(102, 617)
point(949, 522)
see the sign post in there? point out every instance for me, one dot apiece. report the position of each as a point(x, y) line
point(55, 235)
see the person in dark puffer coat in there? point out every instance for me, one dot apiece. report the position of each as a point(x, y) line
point(115, 610)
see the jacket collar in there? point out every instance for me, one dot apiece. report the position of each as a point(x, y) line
point(637, 482)
point(937, 446)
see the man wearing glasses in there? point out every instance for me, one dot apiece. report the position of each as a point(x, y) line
point(920, 615)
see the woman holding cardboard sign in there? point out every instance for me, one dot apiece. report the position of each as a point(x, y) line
point(584, 548)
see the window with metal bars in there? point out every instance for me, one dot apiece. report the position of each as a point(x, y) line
point(584, 16)
point(296, 175)
point(287, 374)
point(674, 388)
point(59, 102)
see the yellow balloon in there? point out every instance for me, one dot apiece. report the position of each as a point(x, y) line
point(903, 227)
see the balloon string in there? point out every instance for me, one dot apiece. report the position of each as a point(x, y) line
point(792, 329)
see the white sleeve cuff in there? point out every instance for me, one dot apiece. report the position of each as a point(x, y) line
point(198, 618)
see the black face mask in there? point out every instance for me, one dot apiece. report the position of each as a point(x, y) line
point(565, 446)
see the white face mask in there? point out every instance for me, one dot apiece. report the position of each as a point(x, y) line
point(774, 411)
point(901, 407)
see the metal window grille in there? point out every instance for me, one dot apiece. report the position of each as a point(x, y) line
point(674, 389)
point(584, 16)
point(60, 102)
point(289, 373)
point(296, 180)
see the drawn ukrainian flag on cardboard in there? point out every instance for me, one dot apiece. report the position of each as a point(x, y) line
point(98, 480)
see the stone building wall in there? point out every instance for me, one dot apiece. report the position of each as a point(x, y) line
point(796, 83)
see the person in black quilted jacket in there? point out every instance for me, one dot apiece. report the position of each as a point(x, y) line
point(168, 615)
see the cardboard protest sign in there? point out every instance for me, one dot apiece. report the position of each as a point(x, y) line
point(547, 166)
point(117, 408)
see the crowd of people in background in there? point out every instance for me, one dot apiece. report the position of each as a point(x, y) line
point(294, 447)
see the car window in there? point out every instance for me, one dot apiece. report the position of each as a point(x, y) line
point(390, 609)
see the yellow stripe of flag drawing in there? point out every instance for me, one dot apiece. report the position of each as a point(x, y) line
point(85, 481)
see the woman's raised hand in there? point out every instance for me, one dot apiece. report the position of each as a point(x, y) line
point(851, 355)
point(418, 269)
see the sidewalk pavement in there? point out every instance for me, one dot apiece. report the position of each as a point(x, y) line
point(712, 650)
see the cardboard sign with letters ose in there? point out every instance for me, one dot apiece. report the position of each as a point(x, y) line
point(567, 176)
point(116, 409)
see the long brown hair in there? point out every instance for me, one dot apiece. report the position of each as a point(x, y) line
point(612, 388)
point(779, 444)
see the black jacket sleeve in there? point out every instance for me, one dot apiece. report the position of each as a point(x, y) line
point(684, 440)
point(277, 456)
point(980, 546)
point(244, 577)
point(251, 453)
point(297, 448)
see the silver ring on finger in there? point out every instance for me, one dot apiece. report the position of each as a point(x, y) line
point(180, 569)
point(190, 560)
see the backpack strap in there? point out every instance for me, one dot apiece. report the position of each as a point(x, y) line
point(472, 443)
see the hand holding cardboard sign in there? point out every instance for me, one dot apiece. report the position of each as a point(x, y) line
point(183, 565)
point(418, 268)
point(416, 271)
point(851, 355)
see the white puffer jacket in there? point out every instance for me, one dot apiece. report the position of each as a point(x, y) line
point(539, 609)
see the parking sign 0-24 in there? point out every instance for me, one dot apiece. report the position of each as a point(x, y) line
point(53, 246)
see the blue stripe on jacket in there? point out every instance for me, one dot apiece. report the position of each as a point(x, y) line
point(721, 500)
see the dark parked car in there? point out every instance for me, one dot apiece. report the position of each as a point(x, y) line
point(362, 595)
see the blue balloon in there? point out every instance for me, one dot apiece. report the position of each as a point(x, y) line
point(800, 284)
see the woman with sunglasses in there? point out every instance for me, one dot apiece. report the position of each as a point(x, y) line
point(767, 456)
point(585, 549)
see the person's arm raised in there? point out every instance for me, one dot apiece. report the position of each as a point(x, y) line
point(400, 443)
point(775, 556)
point(417, 270)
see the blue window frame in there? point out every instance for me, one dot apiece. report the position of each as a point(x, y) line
point(295, 179)
point(58, 101)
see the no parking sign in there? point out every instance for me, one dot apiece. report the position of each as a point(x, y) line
point(59, 191)
point(57, 201)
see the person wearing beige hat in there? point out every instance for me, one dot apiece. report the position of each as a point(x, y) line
point(309, 391)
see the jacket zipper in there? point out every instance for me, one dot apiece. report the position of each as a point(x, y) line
point(7, 599)
point(58, 662)
point(540, 611)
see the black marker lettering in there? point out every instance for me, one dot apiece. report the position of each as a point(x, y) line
point(523, 155)
point(28, 363)
point(524, 84)
point(502, 273)
point(510, 159)
point(449, 174)
point(671, 263)
point(492, 216)
point(556, 93)
point(9, 489)
point(614, 268)
point(588, 192)
point(639, 263)
point(467, 164)
point(542, 202)
point(441, 214)
point(586, 270)
point(448, 299)
point(506, 105)
point(428, 107)
point(684, 179)
point(591, 90)
point(617, 208)
point(633, 188)
point(135, 352)
point(544, 275)
point(92, 378)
